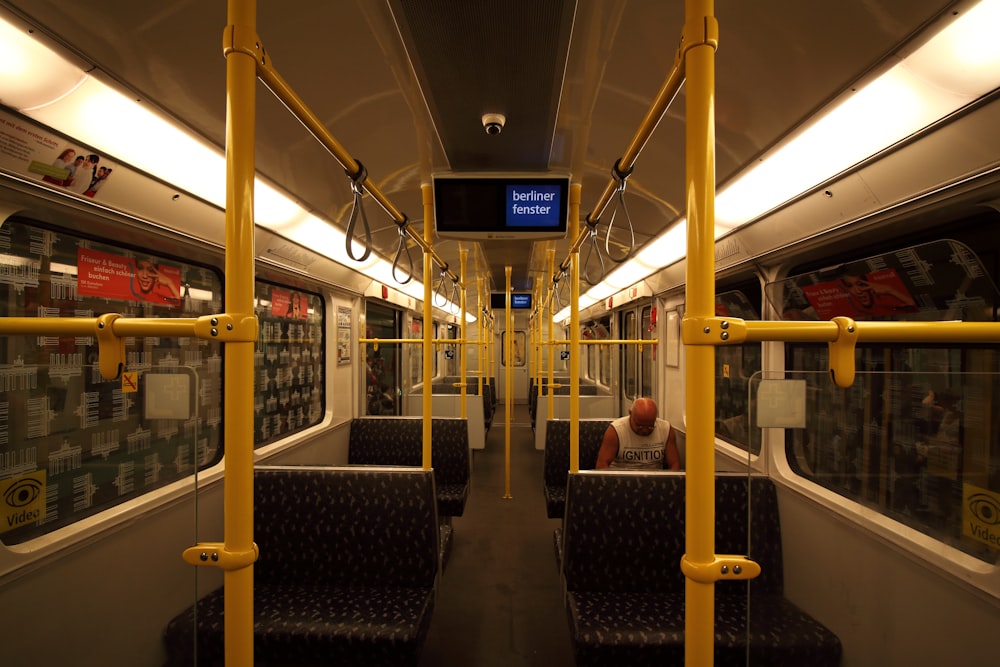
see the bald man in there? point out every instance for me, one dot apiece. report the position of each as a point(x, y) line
point(640, 441)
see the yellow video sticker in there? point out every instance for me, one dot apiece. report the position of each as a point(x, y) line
point(981, 515)
point(22, 500)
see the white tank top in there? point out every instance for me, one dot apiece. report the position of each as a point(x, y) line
point(638, 452)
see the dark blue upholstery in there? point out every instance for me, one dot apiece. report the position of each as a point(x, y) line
point(399, 441)
point(346, 574)
point(623, 539)
point(556, 463)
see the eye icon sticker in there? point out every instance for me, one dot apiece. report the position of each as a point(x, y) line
point(22, 493)
point(984, 507)
point(22, 500)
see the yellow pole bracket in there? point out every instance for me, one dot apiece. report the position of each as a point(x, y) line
point(722, 568)
point(214, 554)
point(707, 34)
point(110, 347)
point(227, 327)
point(242, 39)
point(713, 330)
point(842, 352)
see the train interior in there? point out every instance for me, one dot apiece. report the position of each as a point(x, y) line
point(828, 171)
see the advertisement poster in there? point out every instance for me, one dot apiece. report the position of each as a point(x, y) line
point(343, 335)
point(28, 150)
point(941, 280)
point(290, 305)
point(112, 276)
point(861, 295)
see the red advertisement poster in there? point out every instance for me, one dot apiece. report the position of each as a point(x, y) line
point(111, 276)
point(861, 296)
point(291, 305)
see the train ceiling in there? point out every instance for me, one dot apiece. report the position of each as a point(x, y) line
point(403, 84)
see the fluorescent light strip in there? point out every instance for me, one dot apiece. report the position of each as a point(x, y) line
point(49, 89)
point(953, 68)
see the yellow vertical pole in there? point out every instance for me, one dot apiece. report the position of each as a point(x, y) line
point(463, 256)
point(428, 347)
point(700, 33)
point(574, 331)
point(241, 90)
point(480, 329)
point(508, 357)
point(552, 332)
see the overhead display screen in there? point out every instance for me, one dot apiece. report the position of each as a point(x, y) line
point(507, 206)
point(518, 300)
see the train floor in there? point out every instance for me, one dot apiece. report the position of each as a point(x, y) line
point(500, 601)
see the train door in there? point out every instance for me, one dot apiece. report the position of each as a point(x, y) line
point(637, 375)
point(518, 338)
point(382, 362)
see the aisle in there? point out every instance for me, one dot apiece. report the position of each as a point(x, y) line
point(500, 602)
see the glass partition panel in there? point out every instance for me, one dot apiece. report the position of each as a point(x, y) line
point(73, 444)
point(734, 366)
point(942, 280)
point(289, 359)
point(920, 447)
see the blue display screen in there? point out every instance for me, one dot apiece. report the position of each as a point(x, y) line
point(501, 206)
point(533, 205)
point(519, 300)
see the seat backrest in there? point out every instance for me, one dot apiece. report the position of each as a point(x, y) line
point(556, 459)
point(398, 441)
point(450, 450)
point(351, 527)
point(624, 531)
point(394, 441)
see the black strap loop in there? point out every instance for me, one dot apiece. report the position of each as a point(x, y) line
point(358, 187)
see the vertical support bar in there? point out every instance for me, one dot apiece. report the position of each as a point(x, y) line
point(241, 91)
point(552, 332)
point(480, 331)
point(508, 356)
point(700, 299)
point(463, 256)
point(574, 331)
point(428, 347)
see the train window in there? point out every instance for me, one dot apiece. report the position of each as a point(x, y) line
point(517, 340)
point(289, 358)
point(598, 360)
point(452, 353)
point(628, 356)
point(646, 332)
point(914, 436)
point(383, 368)
point(416, 354)
point(734, 366)
point(83, 444)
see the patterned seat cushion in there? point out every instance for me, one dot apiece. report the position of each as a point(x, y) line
point(623, 539)
point(315, 625)
point(648, 629)
point(398, 441)
point(556, 460)
point(348, 564)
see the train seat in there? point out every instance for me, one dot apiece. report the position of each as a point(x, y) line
point(623, 539)
point(556, 462)
point(347, 571)
point(398, 441)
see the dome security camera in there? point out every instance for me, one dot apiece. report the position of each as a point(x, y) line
point(493, 123)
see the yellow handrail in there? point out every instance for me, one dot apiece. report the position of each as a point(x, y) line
point(699, 562)
point(241, 85)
